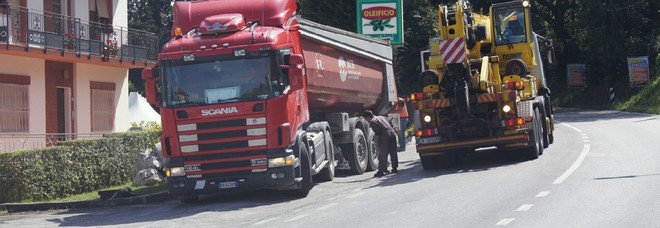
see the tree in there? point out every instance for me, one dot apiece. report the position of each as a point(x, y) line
point(151, 16)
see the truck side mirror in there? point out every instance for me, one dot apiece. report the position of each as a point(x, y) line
point(295, 68)
point(150, 86)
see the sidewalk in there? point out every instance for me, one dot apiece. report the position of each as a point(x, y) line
point(143, 199)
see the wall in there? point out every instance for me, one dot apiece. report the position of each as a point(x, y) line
point(36, 71)
point(84, 74)
point(120, 13)
point(35, 5)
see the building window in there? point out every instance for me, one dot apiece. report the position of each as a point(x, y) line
point(102, 106)
point(14, 106)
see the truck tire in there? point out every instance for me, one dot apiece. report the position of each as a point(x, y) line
point(544, 127)
point(357, 153)
point(534, 150)
point(429, 162)
point(328, 173)
point(305, 173)
point(548, 109)
point(373, 152)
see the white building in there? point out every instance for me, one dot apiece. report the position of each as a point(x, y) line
point(64, 69)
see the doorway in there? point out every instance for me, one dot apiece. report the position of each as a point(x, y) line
point(64, 113)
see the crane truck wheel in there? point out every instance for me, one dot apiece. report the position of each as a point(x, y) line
point(305, 173)
point(548, 109)
point(544, 133)
point(373, 152)
point(328, 173)
point(356, 153)
point(533, 151)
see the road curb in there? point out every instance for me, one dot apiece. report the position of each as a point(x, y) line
point(145, 199)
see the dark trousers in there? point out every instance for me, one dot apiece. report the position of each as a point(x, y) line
point(387, 146)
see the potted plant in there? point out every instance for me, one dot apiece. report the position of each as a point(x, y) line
point(70, 40)
point(112, 47)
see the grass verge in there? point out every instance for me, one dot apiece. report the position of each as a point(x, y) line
point(142, 190)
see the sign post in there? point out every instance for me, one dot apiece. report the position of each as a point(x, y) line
point(575, 76)
point(382, 19)
point(638, 71)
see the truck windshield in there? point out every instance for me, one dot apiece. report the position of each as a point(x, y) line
point(509, 23)
point(218, 81)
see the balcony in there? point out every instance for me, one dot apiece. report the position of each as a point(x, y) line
point(71, 39)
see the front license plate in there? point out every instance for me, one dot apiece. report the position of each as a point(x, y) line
point(228, 184)
point(430, 140)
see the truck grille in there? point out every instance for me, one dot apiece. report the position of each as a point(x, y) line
point(227, 146)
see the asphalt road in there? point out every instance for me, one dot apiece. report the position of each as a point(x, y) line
point(602, 171)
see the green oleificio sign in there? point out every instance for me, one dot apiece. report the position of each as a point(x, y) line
point(381, 19)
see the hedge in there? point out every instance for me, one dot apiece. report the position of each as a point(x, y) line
point(72, 167)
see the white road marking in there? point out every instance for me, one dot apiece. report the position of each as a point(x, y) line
point(542, 194)
point(578, 162)
point(327, 206)
point(587, 141)
point(505, 221)
point(296, 218)
point(265, 221)
point(525, 207)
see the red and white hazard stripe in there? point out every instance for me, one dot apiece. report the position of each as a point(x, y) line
point(452, 50)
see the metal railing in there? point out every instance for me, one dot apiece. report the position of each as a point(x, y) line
point(10, 142)
point(33, 28)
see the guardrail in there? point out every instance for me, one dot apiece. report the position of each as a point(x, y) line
point(32, 28)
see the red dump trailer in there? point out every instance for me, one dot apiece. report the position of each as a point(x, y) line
point(253, 97)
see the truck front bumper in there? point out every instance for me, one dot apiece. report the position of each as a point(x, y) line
point(231, 183)
point(519, 139)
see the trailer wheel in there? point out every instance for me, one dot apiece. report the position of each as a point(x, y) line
point(357, 152)
point(305, 173)
point(535, 148)
point(328, 173)
point(373, 152)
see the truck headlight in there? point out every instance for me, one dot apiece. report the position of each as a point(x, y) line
point(506, 108)
point(176, 172)
point(427, 118)
point(281, 161)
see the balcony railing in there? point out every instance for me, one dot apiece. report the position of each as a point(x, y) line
point(36, 29)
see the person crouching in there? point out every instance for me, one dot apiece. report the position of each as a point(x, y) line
point(386, 142)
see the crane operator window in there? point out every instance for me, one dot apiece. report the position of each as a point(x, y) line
point(509, 26)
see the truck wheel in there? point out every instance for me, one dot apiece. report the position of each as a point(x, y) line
point(544, 131)
point(357, 152)
point(328, 173)
point(373, 152)
point(429, 162)
point(533, 151)
point(548, 109)
point(305, 173)
point(194, 198)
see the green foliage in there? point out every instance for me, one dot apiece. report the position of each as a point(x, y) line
point(146, 126)
point(72, 167)
point(152, 16)
point(646, 101)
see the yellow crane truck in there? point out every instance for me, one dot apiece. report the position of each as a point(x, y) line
point(485, 86)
